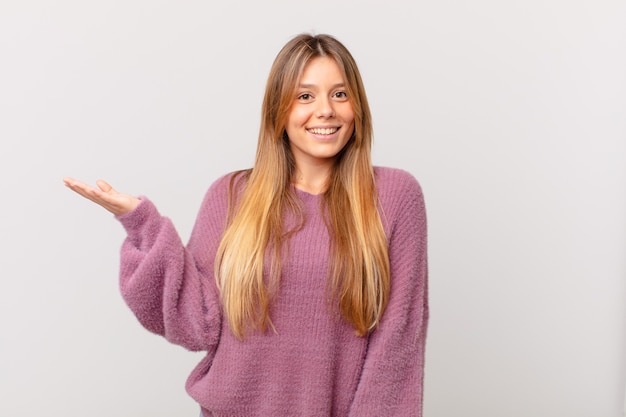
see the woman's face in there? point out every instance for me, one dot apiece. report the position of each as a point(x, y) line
point(321, 119)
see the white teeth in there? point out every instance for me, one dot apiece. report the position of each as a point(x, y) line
point(325, 131)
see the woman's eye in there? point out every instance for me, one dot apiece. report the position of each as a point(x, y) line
point(341, 95)
point(305, 97)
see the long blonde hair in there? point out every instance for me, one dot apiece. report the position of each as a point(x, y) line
point(359, 272)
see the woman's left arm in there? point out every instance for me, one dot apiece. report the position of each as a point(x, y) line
point(392, 378)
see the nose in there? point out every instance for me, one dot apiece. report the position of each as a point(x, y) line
point(325, 108)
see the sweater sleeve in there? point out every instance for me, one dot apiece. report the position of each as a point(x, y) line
point(170, 287)
point(391, 382)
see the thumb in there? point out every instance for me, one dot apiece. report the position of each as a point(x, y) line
point(104, 186)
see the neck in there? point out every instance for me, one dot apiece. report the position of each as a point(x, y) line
point(312, 178)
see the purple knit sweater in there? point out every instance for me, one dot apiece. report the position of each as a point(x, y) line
point(314, 365)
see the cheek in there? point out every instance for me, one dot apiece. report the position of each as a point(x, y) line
point(297, 117)
point(347, 113)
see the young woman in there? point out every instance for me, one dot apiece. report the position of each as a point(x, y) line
point(305, 277)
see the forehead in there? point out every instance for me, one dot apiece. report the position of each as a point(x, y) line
point(322, 69)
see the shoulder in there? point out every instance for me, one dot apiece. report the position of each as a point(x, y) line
point(395, 182)
point(400, 197)
point(221, 193)
point(226, 184)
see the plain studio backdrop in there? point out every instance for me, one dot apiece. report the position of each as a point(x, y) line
point(511, 114)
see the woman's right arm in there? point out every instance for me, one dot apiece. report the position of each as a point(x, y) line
point(168, 286)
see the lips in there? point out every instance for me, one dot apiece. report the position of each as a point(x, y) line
point(323, 130)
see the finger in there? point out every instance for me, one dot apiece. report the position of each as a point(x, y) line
point(104, 186)
point(69, 181)
point(87, 191)
point(78, 186)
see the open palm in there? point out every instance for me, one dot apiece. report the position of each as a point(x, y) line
point(115, 202)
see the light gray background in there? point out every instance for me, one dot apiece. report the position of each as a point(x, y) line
point(511, 114)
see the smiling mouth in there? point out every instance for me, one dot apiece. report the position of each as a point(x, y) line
point(323, 131)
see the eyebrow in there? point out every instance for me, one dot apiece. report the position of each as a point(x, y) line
point(314, 85)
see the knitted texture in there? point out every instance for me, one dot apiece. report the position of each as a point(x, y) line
point(314, 364)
